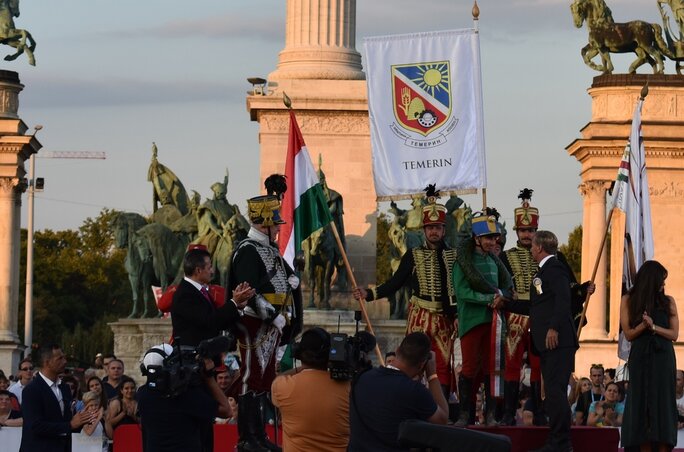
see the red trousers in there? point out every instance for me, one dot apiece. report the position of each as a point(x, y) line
point(475, 349)
point(519, 341)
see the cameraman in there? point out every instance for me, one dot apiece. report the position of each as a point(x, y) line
point(383, 397)
point(314, 407)
point(179, 423)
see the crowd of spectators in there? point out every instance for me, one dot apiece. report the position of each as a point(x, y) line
point(114, 396)
point(596, 400)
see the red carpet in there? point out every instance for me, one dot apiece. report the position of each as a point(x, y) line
point(127, 438)
point(584, 439)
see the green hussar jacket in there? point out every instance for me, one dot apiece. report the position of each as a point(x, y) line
point(476, 279)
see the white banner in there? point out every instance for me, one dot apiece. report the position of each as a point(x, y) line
point(425, 107)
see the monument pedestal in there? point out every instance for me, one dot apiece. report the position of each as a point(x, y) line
point(133, 337)
point(599, 150)
point(15, 148)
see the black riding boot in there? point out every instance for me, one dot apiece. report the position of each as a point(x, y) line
point(511, 389)
point(465, 388)
point(248, 425)
point(261, 404)
point(490, 404)
point(540, 418)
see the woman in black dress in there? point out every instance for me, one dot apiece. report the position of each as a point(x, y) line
point(649, 320)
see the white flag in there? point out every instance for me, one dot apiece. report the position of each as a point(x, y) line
point(425, 107)
point(633, 198)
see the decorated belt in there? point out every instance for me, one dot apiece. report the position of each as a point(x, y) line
point(430, 305)
point(277, 299)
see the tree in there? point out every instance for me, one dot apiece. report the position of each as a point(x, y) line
point(79, 283)
point(573, 251)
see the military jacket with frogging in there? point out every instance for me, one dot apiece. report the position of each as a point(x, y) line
point(522, 267)
point(428, 272)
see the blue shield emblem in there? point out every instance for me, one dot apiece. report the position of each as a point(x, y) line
point(421, 95)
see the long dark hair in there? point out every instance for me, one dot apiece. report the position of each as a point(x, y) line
point(104, 401)
point(647, 294)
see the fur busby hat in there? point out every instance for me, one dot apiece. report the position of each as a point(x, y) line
point(433, 213)
point(526, 216)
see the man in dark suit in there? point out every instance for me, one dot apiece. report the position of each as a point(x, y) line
point(46, 406)
point(553, 335)
point(193, 315)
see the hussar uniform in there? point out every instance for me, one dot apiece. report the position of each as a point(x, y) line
point(273, 316)
point(432, 307)
point(522, 267)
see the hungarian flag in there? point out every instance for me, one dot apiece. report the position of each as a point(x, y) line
point(632, 197)
point(304, 207)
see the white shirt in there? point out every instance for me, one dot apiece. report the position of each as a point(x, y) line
point(17, 389)
point(543, 261)
point(54, 386)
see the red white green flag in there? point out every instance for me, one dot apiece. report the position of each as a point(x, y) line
point(304, 207)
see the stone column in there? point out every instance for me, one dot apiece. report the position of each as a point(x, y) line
point(320, 40)
point(594, 194)
point(15, 148)
point(320, 70)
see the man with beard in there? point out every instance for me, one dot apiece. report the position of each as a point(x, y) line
point(427, 269)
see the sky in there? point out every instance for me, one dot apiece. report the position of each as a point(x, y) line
point(115, 76)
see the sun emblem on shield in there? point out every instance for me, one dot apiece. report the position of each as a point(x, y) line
point(421, 95)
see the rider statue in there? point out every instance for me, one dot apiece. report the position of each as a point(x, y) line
point(213, 214)
point(335, 204)
point(168, 191)
point(14, 37)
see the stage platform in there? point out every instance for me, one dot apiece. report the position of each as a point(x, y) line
point(127, 438)
point(584, 439)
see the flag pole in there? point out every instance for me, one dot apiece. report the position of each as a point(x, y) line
point(362, 303)
point(594, 271)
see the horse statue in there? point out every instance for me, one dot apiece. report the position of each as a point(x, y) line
point(223, 256)
point(15, 37)
point(606, 37)
point(398, 247)
point(320, 265)
point(159, 247)
point(140, 273)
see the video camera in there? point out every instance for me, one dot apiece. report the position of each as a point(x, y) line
point(347, 357)
point(171, 370)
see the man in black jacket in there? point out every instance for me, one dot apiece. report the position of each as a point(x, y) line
point(193, 314)
point(553, 334)
point(46, 407)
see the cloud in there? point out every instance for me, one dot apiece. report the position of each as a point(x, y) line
point(61, 92)
point(228, 26)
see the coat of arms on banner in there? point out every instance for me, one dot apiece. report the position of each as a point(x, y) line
point(421, 96)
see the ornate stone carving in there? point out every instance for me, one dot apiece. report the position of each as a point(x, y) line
point(667, 190)
point(593, 188)
point(334, 123)
point(12, 183)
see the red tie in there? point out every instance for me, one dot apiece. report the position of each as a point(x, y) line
point(205, 292)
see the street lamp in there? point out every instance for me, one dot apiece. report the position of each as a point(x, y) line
point(28, 306)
